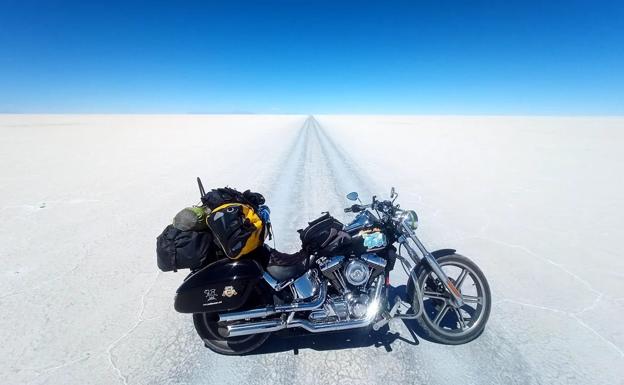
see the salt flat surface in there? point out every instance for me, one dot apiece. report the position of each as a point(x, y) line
point(536, 202)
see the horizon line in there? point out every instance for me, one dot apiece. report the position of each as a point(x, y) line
point(312, 114)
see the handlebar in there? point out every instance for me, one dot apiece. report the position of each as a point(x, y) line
point(383, 206)
point(355, 208)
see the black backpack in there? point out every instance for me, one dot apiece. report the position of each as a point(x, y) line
point(177, 249)
point(323, 236)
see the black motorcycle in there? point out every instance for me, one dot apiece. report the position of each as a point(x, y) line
point(236, 304)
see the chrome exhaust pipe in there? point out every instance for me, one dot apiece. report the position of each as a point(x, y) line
point(273, 326)
point(254, 328)
point(270, 310)
point(313, 327)
point(328, 327)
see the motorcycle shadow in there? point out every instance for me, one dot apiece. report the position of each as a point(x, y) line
point(296, 340)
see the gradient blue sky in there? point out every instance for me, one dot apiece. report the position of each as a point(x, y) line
point(387, 57)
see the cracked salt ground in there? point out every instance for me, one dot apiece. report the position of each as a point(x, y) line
point(140, 319)
point(85, 304)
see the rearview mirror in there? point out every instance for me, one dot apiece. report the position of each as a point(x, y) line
point(352, 196)
point(392, 192)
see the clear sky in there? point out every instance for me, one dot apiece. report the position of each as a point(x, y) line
point(385, 57)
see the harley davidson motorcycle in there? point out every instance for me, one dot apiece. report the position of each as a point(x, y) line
point(236, 304)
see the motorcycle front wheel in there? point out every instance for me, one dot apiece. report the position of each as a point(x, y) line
point(441, 319)
point(211, 331)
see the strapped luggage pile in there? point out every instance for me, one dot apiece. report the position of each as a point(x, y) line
point(228, 222)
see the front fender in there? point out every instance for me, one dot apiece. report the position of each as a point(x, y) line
point(412, 288)
point(442, 252)
point(436, 254)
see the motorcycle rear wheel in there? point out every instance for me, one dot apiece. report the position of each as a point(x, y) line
point(208, 328)
point(443, 322)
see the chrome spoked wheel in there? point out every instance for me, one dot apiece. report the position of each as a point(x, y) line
point(444, 321)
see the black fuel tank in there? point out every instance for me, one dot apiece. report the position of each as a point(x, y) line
point(223, 285)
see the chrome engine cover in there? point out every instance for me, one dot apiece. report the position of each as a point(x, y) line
point(358, 304)
point(340, 308)
point(347, 274)
point(306, 286)
point(357, 272)
point(335, 308)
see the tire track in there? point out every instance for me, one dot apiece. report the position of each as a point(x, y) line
point(316, 176)
point(286, 190)
point(348, 175)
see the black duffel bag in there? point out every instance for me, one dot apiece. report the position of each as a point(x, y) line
point(177, 249)
point(220, 196)
point(323, 236)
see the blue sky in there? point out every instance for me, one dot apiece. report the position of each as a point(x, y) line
point(386, 57)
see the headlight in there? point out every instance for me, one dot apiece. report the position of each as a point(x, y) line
point(410, 219)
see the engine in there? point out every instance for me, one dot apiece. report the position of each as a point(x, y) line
point(351, 278)
point(352, 274)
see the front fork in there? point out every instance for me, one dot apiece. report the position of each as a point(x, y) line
point(456, 295)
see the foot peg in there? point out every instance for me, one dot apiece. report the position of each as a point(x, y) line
point(402, 307)
point(399, 309)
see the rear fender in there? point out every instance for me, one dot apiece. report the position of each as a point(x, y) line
point(223, 285)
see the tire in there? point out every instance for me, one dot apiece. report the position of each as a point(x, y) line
point(207, 326)
point(443, 331)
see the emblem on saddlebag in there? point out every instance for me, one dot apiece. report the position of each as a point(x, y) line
point(229, 291)
point(211, 294)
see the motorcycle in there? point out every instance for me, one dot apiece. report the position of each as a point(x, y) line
point(237, 304)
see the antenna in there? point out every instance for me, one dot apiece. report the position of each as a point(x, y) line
point(202, 192)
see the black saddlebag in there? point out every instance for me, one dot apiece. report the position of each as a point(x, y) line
point(177, 249)
point(323, 236)
point(223, 285)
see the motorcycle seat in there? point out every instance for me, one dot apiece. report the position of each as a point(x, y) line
point(283, 266)
point(284, 273)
